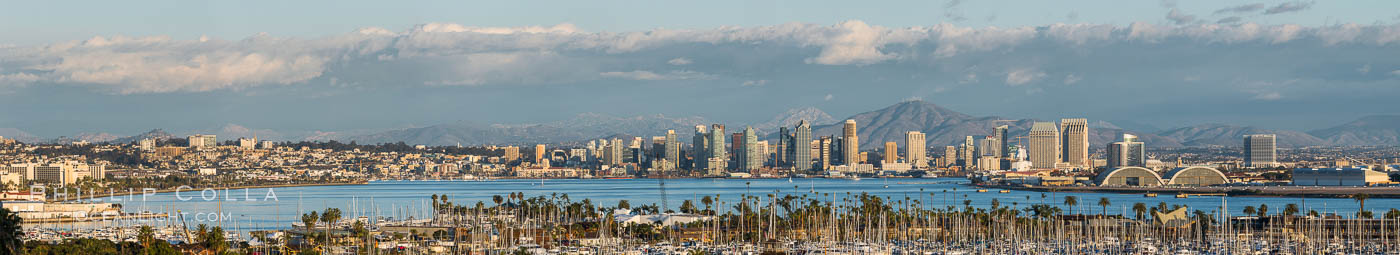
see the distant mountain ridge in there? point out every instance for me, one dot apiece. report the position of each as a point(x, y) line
point(1374, 129)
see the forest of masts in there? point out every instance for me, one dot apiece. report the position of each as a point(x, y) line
point(929, 221)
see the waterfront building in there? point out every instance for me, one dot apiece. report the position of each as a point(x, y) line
point(891, 154)
point(1260, 150)
point(1128, 152)
point(802, 148)
point(915, 144)
point(202, 141)
point(1128, 176)
point(1044, 145)
point(1194, 176)
point(672, 149)
point(1074, 146)
point(1350, 176)
point(989, 163)
point(850, 144)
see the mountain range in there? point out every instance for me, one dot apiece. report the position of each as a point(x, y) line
point(942, 126)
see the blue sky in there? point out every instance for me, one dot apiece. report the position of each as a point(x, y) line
point(299, 67)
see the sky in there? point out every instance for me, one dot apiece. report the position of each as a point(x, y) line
point(120, 67)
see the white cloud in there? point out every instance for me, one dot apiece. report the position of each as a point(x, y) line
point(828, 97)
point(1364, 69)
point(452, 54)
point(1268, 95)
point(754, 83)
point(652, 76)
point(1023, 76)
point(1180, 18)
point(1072, 79)
point(679, 61)
point(1395, 73)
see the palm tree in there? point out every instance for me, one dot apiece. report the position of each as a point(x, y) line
point(1360, 201)
point(1103, 202)
point(1263, 210)
point(10, 232)
point(146, 236)
point(1139, 208)
point(330, 216)
point(1290, 209)
point(1071, 201)
point(1249, 210)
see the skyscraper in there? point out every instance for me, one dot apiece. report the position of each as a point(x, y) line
point(802, 147)
point(749, 159)
point(1260, 150)
point(719, 156)
point(202, 141)
point(700, 153)
point(950, 155)
point(824, 152)
point(1074, 144)
point(850, 144)
point(1000, 133)
point(1128, 152)
point(914, 149)
point(673, 150)
point(990, 147)
point(891, 152)
point(783, 154)
point(1044, 145)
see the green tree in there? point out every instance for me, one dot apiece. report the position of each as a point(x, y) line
point(1140, 209)
point(1360, 201)
point(11, 233)
point(330, 216)
point(309, 220)
point(1104, 203)
point(1071, 201)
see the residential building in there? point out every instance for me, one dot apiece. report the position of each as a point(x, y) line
point(915, 144)
point(1044, 145)
point(1074, 143)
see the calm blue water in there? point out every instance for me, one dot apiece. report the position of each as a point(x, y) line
point(402, 199)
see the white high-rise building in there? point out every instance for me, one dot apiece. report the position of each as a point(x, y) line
point(203, 141)
point(247, 143)
point(915, 146)
point(147, 144)
point(1260, 150)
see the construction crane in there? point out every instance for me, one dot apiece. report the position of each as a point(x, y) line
point(661, 184)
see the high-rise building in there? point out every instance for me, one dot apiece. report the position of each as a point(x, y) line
point(1260, 150)
point(748, 157)
point(1044, 145)
point(950, 155)
point(824, 149)
point(850, 144)
point(1000, 134)
point(1128, 152)
point(614, 153)
point(673, 150)
point(990, 147)
point(784, 152)
point(539, 154)
point(148, 144)
point(700, 153)
point(247, 143)
point(802, 147)
point(512, 153)
point(719, 156)
point(202, 141)
point(891, 152)
point(914, 149)
point(268, 144)
point(1074, 143)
